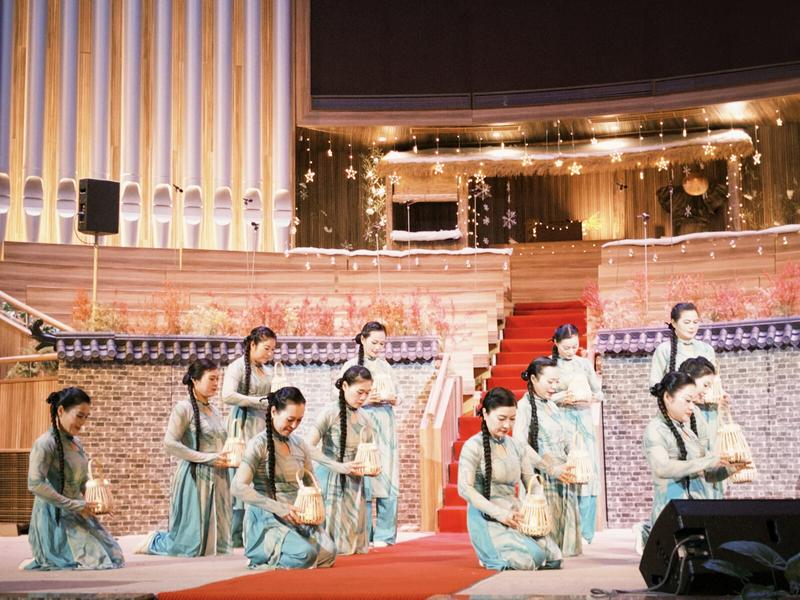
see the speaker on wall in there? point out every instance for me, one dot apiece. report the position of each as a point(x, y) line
point(98, 206)
point(700, 527)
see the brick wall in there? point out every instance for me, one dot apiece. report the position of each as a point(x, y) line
point(131, 407)
point(764, 388)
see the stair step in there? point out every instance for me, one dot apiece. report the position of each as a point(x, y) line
point(452, 519)
point(507, 381)
point(519, 358)
point(549, 305)
point(542, 320)
point(452, 473)
point(457, 446)
point(468, 426)
point(532, 333)
point(532, 346)
point(451, 497)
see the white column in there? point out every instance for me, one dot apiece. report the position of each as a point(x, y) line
point(253, 214)
point(101, 23)
point(67, 193)
point(223, 123)
point(282, 123)
point(162, 136)
point(33, 189)
point(6, 35)
point(130, 189)
point(193, 194)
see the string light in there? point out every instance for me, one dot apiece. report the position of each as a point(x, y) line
point(350, 172)
point(415, 144)
point(308, 265)
point(778, 120)
point(684, 128)
point(574, 168)
point(756, 154)
point(559, 162)
point(438, 168)
point(309, 176)
point(616, 157)
point(330, 149)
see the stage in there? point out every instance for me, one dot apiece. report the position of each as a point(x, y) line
point(609, 562)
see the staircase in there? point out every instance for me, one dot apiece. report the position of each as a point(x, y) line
point(525, 337)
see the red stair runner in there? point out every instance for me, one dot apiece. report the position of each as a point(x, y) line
point(525, 337)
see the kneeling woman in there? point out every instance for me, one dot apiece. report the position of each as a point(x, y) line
point(340, 427)
point(274, 537)
point(489, 469)
point(677, 450)
point(200, 509)
point(64, 533)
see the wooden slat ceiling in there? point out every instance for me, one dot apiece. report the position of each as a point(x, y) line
point(744, 114)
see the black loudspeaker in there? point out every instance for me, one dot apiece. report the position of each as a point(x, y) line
point(98, 206)
point(707, 524)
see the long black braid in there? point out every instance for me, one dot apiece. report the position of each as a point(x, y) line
point(365, 331)
point(670, 384)
point(351, 376)
point(195, 373)
point(494, 398)
point(675, 315)
point(66, 398)
point(562, 332)
point(256, 336)
point(534, 371)
point(279, 401)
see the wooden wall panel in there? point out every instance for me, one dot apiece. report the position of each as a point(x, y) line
point(23, 411)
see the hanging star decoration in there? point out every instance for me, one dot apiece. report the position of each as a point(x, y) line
point(575, 168)
point(309, 175)
point(708, 150)
point(757, 158)
point(479, 177)
point(616, 157)
point(509, 219)
point(559, 163)
point(438, 168)
point(527, 161)
point(350, 172)
point(733, 158)
point(394, 178)
point(662, 164)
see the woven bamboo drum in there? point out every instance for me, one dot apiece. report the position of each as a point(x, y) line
point(98, 490)
point(279, 378)
point(536, 520)
point(731, 444)
point(367, 454)
point(309, 504)
point(579, 459)
point(382, 386)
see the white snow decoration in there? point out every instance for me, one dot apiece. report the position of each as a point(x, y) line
point(425, 236)
point(704, 235)
point(398, 253)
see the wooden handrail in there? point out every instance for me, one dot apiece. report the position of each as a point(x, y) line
point(22, 307)
point(29, 358)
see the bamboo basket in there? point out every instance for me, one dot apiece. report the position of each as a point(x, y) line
point(279, 378)
point(746, 475)
point(579, 459)
point(98, 491)
point(234, 447)
point(579, 386)
point(715, 394)
point(731, 444)
point(309, 504)
point(367, 454)
point(536, 521)
point(382, 386)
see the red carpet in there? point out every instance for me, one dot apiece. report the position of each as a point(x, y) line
point(440, 564)
point(525, 337)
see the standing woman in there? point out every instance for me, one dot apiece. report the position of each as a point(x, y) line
point(266, 482)
point(578, 417)
point(541, 425)
point(385, 488)
point(247, 380)
point(489, 468)
point(683, 326)
point(677, 451)
point(339, 427)
point(200, 510)
point(64, 533)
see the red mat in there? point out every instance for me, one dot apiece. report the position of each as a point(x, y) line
point(439, 564)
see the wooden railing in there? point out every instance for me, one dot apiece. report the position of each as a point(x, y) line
point(25, 315)
point(438, 431)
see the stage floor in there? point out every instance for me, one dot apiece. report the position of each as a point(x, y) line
point(608, 563)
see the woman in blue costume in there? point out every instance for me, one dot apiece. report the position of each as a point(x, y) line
point(340, 427)
point(64, 533)
point(246, 383)
point(266, 483)
point(385, 488)
point(200, 508)
point(490, 467)
point(541, 425)
point(677, 451)
point(578, 417)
